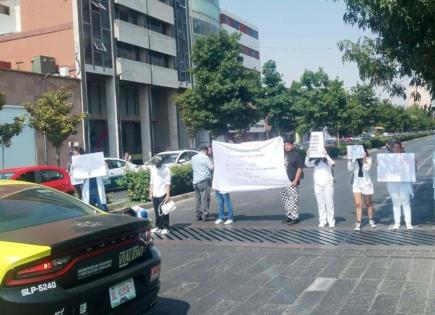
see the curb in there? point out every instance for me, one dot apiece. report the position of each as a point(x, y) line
point(120, 207)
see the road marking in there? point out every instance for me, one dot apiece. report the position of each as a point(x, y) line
point(425, 161)
point(429, 171)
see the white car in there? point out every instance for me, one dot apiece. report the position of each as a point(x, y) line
point(117, 169)
point(171, 158)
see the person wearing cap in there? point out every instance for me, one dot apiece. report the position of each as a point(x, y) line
point(160, 188)
point(290, 194)
point(202, 168)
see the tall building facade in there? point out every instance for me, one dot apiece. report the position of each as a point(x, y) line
point(204, 17)
point(249, 38)
point(132, 57)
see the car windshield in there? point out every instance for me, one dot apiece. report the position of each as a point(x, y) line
point(6, 175)
point(24, 206)
point(168, 158)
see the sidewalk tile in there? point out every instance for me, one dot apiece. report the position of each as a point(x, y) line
point(390, 288)
point(411, 305)
point(384, 305)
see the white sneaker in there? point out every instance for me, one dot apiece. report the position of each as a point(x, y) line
point(396, 226)
point(219, 221)
point(358, 226)
point(164, 231)
point(228, 222)
point(155, 230)
point(322, 225)
point(332, 225)
point(372, 223)
point(409, 227)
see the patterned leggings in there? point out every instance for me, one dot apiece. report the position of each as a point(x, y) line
point(290, 199)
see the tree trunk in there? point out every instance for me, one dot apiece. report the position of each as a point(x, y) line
point(58, 149)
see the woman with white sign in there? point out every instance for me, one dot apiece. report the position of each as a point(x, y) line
point(362, 187)
point(160, 187)
point(401, 194)
point(323, 187)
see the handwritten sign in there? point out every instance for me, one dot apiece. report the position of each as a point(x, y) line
point(88, 165)
point(396, 167)
point(355, 152)
point(317, 145)
point(249, 166)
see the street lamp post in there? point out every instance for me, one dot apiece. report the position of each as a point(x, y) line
point(45, 135)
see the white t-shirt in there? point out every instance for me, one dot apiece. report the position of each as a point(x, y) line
point(160, 178)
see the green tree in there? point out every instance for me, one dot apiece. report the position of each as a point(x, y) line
point(403, 45)
point(224, 93)
point(51, 115)
point(319, 102)
point(9, 130)
point(275, 102)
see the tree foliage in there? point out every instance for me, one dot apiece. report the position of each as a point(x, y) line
point(224, 93)
point(404, 43)
point(51, 115)
point(9, 130)
point(275, 102)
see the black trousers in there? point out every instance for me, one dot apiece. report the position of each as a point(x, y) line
point(162, 221)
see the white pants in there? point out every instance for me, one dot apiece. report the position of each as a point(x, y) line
point(325, 203)
point(401, 196)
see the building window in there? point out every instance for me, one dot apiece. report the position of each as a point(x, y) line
point(131, 52)
point(99, 45)
point(5, 10)
point(97, 98)
point(250, 52)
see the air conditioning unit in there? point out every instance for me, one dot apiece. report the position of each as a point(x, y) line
point(4, 65)
point(44, 64)
point(64, 71)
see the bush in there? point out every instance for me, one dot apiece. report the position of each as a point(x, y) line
point(181, 181)
point(378, 142)
point(137, 183)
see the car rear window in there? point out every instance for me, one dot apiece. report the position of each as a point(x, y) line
point(23, 206)
point(6, 175)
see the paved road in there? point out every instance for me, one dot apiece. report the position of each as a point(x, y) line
point(264, 208)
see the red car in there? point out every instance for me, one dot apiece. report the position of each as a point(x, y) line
point(50, 176)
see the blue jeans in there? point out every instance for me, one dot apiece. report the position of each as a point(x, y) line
point(224, 200)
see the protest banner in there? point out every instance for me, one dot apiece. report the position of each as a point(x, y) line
point(396, 167)
point(249, 166)
point(88, 166)
point(317, 145)
point(355, 152)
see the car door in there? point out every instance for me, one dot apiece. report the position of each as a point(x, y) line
point(51, 178)
point(116, 170)
point(183, 158)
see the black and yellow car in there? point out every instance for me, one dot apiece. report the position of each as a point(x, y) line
point(60, 256)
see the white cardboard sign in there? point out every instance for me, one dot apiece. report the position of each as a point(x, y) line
point(355, 152)
point(396, 167)
point(88, 165)
point(317, 144)
point(249, 166)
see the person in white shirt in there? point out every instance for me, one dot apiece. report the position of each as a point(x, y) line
point(362, 187)
point(401, 194)
point(323, 187)
point(160, 187)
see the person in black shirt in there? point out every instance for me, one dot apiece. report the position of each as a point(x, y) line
point(290, 194)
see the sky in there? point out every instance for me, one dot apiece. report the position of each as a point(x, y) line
point(301, 34)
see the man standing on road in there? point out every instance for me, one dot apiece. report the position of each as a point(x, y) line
point(290, 194)
point(202, 168)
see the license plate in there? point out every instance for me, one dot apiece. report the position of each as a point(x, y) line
point(122, 293)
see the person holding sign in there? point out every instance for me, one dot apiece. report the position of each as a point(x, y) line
point(401, 194)
point(360, 164)
point(160, 186)
point(290, 194)
point(323, 187)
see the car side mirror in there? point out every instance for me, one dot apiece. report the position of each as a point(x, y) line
point(182, 161)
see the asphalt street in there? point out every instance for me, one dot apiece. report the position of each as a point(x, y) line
point(261, 208)
point(201, 276)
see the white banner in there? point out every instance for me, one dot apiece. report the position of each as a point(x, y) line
point(317, 145)
point(396, 167)
point(355, 152)
point(88, 165)
point(249, 166)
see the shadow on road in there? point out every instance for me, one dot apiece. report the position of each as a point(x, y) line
point(167, 306)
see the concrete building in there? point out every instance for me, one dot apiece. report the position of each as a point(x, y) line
point(249, 39)
point(10, 21)
point(132, 58)
point(28, 147)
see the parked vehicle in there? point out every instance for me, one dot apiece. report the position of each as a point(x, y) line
point(117, 169)
point(50, 176)
point(171, 158)
point(61, 256)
